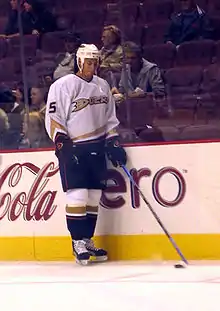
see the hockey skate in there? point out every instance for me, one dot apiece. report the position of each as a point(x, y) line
point(99, 254)
point(81, 253)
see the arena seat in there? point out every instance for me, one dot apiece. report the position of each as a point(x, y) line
point(154, 33)
point(53, 42)
point(183, 88)
point(200, 132)
point(194, 53)
point(141, 111)
point(154, 10)
point(161, 54)
point(30, 45)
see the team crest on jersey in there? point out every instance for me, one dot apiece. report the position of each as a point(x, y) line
point(84, 102)
point(80, 104)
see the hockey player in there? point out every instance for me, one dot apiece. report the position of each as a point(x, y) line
point(80, 119)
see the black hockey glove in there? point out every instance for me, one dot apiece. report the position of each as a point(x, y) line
point(64, 148)
point(115, 152)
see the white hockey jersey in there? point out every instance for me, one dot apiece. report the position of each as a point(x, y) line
point(82, 110)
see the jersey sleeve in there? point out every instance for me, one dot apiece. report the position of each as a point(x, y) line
point(58, 103)
point(112, 121)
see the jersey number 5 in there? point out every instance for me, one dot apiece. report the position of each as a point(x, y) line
point(52, 107)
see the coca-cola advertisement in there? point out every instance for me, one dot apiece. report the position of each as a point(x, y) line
point(29, 193)
point(35, 202)
point(32, 200)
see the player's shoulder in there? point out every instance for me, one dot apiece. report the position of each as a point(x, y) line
point(101, 81)
point(70, 78)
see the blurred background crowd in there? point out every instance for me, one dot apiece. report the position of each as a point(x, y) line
point(161, 59)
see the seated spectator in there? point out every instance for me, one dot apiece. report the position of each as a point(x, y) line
point(4, 130)
point(7, 100)
point(19, 100)
point(12, 116)
point(42, 73)
point(16, 114)
point(12, 22)
point(67, 62)
point(141, 76)
point(111, 52)
point(36, 19)
point(192, 23)
point(34, 132)
point(38, 102)
point(12, 104)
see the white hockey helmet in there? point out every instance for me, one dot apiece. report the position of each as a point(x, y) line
point(86, 51)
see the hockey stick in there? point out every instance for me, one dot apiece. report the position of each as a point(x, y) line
point(155, 214)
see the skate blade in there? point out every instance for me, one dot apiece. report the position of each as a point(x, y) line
point(83, 262)
point(98, 259)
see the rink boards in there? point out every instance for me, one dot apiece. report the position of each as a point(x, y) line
point(181, 181)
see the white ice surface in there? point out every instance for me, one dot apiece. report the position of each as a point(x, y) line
point(123, 286)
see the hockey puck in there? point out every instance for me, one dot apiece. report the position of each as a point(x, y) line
point(180, 265)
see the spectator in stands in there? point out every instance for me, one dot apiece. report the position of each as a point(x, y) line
point(34, 132)
point(7, 99)
point(141, 77)
point(67, 62)
point(12, 22)
point(111, 52)
point(4, 127)
point(14, 109)
point(38, 102)
point(19, 100)
point(36, 19)
point(43, 73)
point(9, 137)
point(191, 23)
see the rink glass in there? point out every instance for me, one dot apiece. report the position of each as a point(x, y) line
point(186, 108)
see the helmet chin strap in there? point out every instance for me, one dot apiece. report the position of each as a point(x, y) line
point(80, 65)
